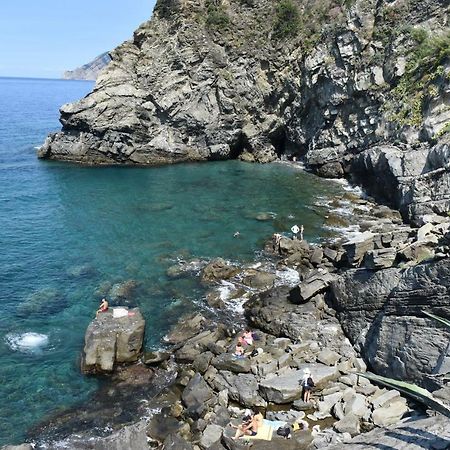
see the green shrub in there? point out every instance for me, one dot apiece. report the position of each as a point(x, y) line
point(287, 20)
point(166, 8)
point(216, 16)
point(423, 69)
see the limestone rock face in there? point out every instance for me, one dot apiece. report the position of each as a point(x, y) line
point(381, 312)
point(186, 88)
point(110, 340)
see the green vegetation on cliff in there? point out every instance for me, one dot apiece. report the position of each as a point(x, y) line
point(287, 20)
point(216, 15)
point(424, 69)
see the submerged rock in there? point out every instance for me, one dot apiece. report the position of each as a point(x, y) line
point(45, 301)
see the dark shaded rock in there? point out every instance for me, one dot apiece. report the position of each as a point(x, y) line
point(196, 395)
point(155, 357)
point(185, 329)
point(231, 363)
point(217, 270)
point(242, 388)
point(331, 170)
point(317, 255)
point(162, 425)
point(258, 280)
point(357, 247)
point(110, 341)
point(290, 246)
point(380, 259)
point(381, 313)
point(174, 442)
point(201, 363)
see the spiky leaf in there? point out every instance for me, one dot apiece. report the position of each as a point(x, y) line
point(411, 390)
point(440, 319)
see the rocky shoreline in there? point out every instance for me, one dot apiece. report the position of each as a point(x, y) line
point(352, 303)
point(360, 92)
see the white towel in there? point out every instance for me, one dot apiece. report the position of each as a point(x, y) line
point(120, 312)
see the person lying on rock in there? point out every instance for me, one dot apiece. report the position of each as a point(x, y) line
point(307, 385)
point(104, 305)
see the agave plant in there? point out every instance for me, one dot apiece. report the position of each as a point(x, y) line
point(411, 390)
point(439, 319)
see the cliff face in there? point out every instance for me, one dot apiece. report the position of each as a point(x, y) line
point(90, 70)
point(255, 79)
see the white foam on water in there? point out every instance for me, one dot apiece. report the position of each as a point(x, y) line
point(225, 290)
point(26, 342)
point(343, 210)
point(287, 276)
point(348, 187)
point(347, 232)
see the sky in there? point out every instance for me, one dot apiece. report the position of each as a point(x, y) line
point(43, 38)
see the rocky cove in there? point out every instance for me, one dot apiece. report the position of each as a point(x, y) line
point(336, 308)
point(359, 91)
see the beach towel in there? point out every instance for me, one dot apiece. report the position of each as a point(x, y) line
point(264, 433)
point(120, 312)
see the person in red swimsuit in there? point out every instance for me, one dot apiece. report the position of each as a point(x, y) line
point(103, 307)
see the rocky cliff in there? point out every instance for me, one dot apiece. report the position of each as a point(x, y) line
point(256, 79)
point(90, 70)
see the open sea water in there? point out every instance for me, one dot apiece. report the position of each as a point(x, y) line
point(71, 234)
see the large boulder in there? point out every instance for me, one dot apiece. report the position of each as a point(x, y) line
point(218, 269)
point(196, 395)
point(227, 361)
point(110, 340)
point(287, 387)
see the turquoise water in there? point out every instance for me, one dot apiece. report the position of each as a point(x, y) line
point(68, 234)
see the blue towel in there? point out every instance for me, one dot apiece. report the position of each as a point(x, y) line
point(275, 424)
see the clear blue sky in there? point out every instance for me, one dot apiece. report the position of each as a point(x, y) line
point(42, 38)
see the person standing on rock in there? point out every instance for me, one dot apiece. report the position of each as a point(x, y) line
point(307, 385)
point(295, 229)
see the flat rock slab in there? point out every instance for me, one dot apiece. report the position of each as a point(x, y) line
point(282, 389)
point(110, 340)
point(232, 363)
point(287, 387)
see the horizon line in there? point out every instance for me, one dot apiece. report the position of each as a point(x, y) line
point(42, 78)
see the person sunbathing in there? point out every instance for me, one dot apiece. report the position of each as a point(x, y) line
point(249, 426)
point(104, 305)
point(247, 337)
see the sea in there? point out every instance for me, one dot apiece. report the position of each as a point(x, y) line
point(70, 235)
